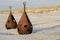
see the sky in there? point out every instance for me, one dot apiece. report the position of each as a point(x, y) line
point(16, 4)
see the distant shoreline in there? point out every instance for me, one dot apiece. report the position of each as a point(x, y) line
point(33, 10)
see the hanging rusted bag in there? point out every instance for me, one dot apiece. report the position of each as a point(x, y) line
point(11, 22)
point(24, 25)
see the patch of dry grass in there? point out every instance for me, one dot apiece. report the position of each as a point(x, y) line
point(33, 10)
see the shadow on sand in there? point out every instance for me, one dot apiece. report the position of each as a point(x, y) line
point(6, 33)
point(43, 29)
point(34, 30)
point(46, 22)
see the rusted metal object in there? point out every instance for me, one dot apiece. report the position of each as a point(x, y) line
point(11, 22)
point(24, 25)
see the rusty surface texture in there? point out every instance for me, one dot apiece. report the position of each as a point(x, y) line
point(24, 25)
point(11, 22)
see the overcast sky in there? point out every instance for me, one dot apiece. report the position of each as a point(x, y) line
point(16, 4)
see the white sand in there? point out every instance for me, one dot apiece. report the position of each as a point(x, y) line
point(45, 27)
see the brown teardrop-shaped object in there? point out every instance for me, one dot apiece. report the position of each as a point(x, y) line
point(24, 25)
point(11, 22)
